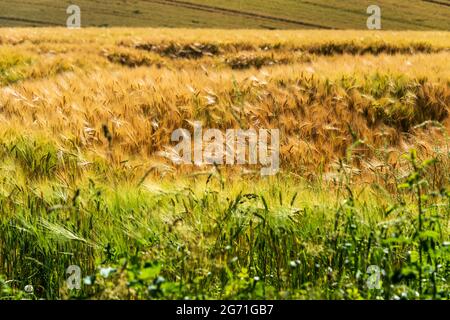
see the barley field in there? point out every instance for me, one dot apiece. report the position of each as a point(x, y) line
point(360, 208)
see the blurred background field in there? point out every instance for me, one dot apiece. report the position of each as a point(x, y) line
point(231, 14)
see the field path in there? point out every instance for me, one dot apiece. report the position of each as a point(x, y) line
point(215, 9)
point(438, 2)
point(45, 23)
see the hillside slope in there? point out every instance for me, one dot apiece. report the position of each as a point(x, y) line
point(267, 14)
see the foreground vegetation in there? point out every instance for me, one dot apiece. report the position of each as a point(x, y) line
point(217, 238)
point(364, 181)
